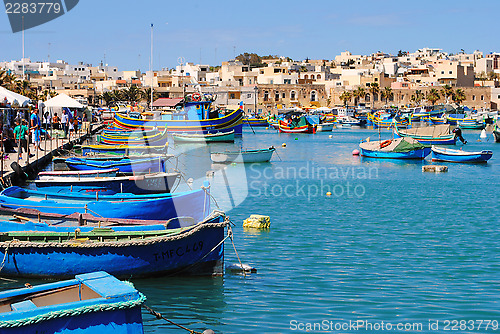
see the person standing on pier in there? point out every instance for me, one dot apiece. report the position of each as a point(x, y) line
point(65, 122)
point(20, 134)
point(55, 121)
point(36, 125)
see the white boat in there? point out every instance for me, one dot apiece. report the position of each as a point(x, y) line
point(323, 127)
point(245, 156)
point(78, 173)
point(204, 138)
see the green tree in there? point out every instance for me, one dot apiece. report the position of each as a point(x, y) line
point(251, 59)
point(346, 97)
point(358, 94)
point(386, 94)
point(417, 97)
point(447, 91)
point(146, 95)
point(109, 98)
point(374, 89)
point(433, 96)
point(459, 96)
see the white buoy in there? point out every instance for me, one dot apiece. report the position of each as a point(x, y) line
point(483, 134)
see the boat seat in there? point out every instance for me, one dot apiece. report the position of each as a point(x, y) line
point(23, 306)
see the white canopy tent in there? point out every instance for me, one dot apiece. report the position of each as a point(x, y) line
point(63, 100)
point(13, 98)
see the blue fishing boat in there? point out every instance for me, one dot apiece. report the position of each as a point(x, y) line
point(79, 174)
point(399, 148)
point(196, 117)
point(136, 184)
point(94, 302)
point(450, 155)
point(195, 203)
point(120, 251)
point(128, 165)
point(156, 138)
point(255, 121)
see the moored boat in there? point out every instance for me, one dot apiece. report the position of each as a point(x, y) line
point(121, 251)
point(255, 121)
point(296, 123)
point(90, 303)
point(450, 155)
point(136, 184)
point(121, 149)
point(204, 138)
point(399, 148)
point(436, 134)
point(243, 156)
point(471, 124)
point(79, 173)
point(156, 139)
point(127, 165)
point(325, 127)
point(195, 203)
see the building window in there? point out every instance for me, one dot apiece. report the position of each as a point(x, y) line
point(283, 95)
point(293, 95)
point(473, 97)
point(306, 77)
point(442, 72)
point(249, 96)
point(367, 98)
point(450, 72)
point(375, 97)
point(266, 95)
point(319, 76)
point(367, 84)
point(482, 97)
point(376, 79)
point(277, 70)
point(232, 96)
point(277, 95)
point(498, 97)
point(313, 95)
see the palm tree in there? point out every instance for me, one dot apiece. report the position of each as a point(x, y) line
point(459, 96)
point(7, 80)
point(108, 97)
point(346, 96)
point(447, 92)
point(374, 89)
point(146, 95)
point(386, 94)
point(417, 97)
point(358, 94)
point(23, 87)
point(433, 95)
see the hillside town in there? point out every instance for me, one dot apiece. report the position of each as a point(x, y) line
point(266, 85)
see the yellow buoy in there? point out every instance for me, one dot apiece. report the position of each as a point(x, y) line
point(328, 194)
point(257, 221)
point(284, 144)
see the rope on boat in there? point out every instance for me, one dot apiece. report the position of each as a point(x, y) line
point(74, 312)
point(183, 233)
point(230, 233)
point(5, 255)
point(158, 315)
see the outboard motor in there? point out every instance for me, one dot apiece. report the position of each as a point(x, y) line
point(458, 134)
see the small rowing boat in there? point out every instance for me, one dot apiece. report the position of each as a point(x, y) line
point(451, 155)
point(79, 173)
point(244, 156)
point(227, 137)
point(399, 148)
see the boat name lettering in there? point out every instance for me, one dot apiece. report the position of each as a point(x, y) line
point(179, 251)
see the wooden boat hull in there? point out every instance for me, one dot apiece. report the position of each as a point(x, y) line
point(195, 204)
point(123, 149)
point(414, 154)
point(231, 121)
point(196, 250)
point(300, 129)
point(447, 139)
point(158, 139)
point(255, 122)
point(137, 184)
point(79, 174)
point(222, 137)
point(471, 125)
point(443, 154)
point(324, 127)
point(90, 303)
point(125, 165)
point(248, 156)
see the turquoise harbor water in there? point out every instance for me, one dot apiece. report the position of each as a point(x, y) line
point(391, 244)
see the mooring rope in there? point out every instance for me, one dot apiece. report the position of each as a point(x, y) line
point(158, 315)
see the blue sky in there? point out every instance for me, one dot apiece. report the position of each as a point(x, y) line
point(215, 31)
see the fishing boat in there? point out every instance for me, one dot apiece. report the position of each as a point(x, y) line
point(399, 148)
point(156, 139)
point(127, 165)
point(121, 250)
point(227, 137)
point(255, 121)
point(471, 124)
point(296, 122)
point(450, 155)
point(195, 117)
point(194, 203)
point(93, 302)
point(79, 173)
point(243, 156)
point(436, 134)
point(348, 120)
point(437, 120)
point(136, 184)
point(138, 132)
point(325, 127)
point(453, 119)
point(121, 149)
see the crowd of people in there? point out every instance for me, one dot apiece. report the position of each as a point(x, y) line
point(17, 137)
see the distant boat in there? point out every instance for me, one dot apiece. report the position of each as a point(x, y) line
point(122, 251)
point(471, 124)
point(299, 124)
point(399, 148)
point(255, 121)
point(325, 127)
point(244, 156)
point(450, 155)
point(152, 164)
point(137, 184)
point(452, 119)
point(436, 134)
point(437, 120)
point(135, 138)
point(89, 303)
point(79, 173)
point(195, 203)
point(204, 138)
